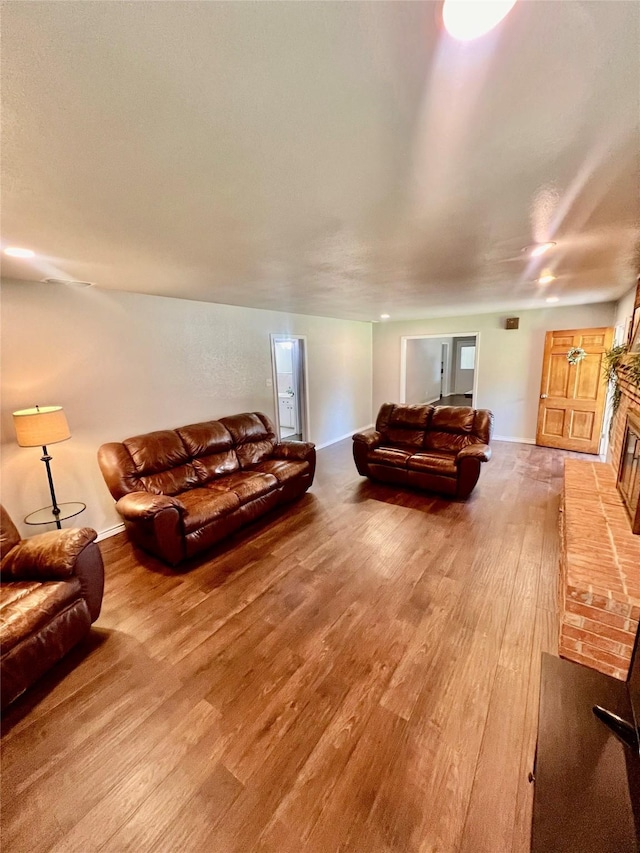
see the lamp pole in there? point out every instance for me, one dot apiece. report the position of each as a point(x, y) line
point(56, 509)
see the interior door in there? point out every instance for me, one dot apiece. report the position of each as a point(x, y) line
point(288, 364)
point(572, 396)
point(465, 350)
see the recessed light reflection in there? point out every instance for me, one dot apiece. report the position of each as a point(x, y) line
point(466, 20)
point(17, 252)
point(541, 249)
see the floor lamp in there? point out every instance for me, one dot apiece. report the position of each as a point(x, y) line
point(37, 428)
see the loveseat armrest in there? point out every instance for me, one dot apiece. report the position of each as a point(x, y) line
point(47, 556)
point(370, 437)
point(474, 451)
point(137, 506)
point(301, 451)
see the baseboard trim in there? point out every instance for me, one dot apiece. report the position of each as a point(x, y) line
point(342, 437)
point(110, 531)
point(514, 440)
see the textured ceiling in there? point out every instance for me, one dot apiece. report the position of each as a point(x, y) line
point(340, 159)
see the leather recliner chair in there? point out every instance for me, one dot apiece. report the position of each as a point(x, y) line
point(51, 593)
point(439, 449)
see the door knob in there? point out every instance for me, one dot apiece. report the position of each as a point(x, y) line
point(543, 396)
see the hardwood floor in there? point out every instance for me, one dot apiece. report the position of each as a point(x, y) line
point(455, 400)
point(356, 673)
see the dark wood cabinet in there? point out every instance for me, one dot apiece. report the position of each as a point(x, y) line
point(587, 783)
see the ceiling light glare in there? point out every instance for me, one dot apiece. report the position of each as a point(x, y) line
point(547, 278)
point(385, 316)
point(540, 249)
point(553, 299)
point(466, 20)
point(17, 252)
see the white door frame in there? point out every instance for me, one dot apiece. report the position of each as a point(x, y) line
point(403, 359)
point(303, 382)
point(445, 382)
point(618, 338)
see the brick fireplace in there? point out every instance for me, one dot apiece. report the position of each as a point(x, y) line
point(599, 588)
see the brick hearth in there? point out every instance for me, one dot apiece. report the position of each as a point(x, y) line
point(599, 594)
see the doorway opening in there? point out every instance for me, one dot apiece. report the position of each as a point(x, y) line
point(439, 370)
point(288, 363)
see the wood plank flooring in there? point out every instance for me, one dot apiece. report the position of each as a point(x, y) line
point(358, 672)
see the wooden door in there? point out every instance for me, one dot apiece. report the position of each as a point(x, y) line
point(572, 396)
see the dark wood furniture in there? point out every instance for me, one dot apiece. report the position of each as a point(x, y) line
point(587, 784)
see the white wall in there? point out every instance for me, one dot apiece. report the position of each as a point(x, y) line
point(508, 362)
point(125, 363)
point(424, 357)
point(624, 309)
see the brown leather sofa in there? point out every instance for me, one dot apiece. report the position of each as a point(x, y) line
point(439, 449)
point(50, 594)
point(181, 490)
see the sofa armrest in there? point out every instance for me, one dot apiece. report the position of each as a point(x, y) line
point(298, 450)
point(47, 556)
point(137, 506)
point(89, 569)
point(474, 451)
point(370, 437)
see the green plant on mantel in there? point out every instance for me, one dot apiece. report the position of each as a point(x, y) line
point(618, 360)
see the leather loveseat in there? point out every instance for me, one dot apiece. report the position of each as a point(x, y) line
point(181, 490)
point(51, 592)
point(439, 448)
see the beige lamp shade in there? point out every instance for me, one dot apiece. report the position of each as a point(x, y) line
point(40, 426)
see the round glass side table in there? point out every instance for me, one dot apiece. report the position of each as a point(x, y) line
point(46, 515)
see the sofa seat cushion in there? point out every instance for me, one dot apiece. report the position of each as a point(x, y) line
point(247, 485)
point(434, 463)
point(206, 505)
point(390, 456)
point(282, 469)
point(26, 606)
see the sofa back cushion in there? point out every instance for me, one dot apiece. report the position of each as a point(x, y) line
point(483, 425)
point(253, 435)
point(167, 462)
point(455, 427)
point(162, 463)
point(403, 425)
point(210, 445)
